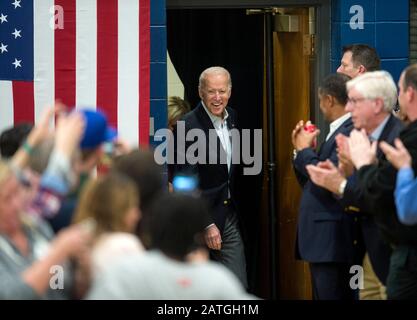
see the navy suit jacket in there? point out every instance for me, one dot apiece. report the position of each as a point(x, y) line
point(378, 250)
point(324, 232)
point(214, 179)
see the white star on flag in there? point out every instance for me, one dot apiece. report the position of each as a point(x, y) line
point(78, 66)
point(3, 18)
point(16, 63)
point(3, 48)
point(16, 33)
point(16, 3)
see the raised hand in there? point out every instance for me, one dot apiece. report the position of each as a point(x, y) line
point(301, 138)
point(326, 175)
point(362, 151)
point(398, 155)
point(346, 166)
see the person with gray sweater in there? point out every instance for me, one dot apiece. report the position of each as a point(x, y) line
point(177, 266)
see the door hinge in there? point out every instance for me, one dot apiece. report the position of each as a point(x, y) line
point(309, 48)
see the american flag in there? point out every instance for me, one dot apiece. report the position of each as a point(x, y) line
point(84, 52)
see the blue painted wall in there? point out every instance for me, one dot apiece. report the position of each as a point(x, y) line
point(385, 27)
point(158, 76)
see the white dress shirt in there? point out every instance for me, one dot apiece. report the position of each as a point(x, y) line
point(336, 124)
point(222, 132)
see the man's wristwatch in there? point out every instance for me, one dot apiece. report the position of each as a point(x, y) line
point(294, 154)
point(342, 187)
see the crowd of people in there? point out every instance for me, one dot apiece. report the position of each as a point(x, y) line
point(79, 223)
point(85, 216)
point(358, 206)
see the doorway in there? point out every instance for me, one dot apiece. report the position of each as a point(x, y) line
point(223, 34)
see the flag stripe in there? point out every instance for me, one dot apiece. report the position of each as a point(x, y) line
point(107, 58)
point(23, 102)
point(44, 87)
point(65, 54)
point(86, 53)
point(6, 105)
point(144, 79)
point(128, 70)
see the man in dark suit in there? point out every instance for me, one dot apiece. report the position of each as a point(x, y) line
point(377, 183)
point(210, 127)
point(372, 97)
point(324, 232)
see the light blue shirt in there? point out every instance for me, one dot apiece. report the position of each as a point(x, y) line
point(378, 131)
point(57, 176)
point(406, 196)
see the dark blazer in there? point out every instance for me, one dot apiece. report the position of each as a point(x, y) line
point(214, 179)
point(324, 232)
point(379, 250)
point(377, 183)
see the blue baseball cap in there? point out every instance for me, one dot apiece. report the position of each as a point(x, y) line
point(97, 129)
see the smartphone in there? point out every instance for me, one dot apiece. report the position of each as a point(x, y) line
point(185, 184)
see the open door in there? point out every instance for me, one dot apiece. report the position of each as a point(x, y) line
point(199, 37)
point(293, 52)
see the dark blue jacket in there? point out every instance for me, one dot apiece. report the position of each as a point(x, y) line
point(379, 250)
point(215, 180)
point(324, 233)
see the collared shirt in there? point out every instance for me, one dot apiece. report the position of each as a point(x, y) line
point(376, 134)
point(336, 124)
point(222, 132)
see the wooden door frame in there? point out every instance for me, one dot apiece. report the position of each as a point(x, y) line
point(323, 33)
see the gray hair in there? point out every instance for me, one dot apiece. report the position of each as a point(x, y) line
point(213, 70)
point(376, 84)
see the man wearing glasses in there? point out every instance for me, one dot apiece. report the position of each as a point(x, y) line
point(371, 98)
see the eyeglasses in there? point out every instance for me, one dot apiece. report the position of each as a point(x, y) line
point(354, 101)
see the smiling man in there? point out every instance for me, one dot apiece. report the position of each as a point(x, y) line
point(215, 175)
point(371, 98)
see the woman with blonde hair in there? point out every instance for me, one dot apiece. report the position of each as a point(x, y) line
point(177, 107)
point(111, 202)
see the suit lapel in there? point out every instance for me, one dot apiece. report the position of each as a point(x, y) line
point(385, 135)
point(327, 147)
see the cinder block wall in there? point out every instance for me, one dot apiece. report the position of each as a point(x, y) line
point(385, 27)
